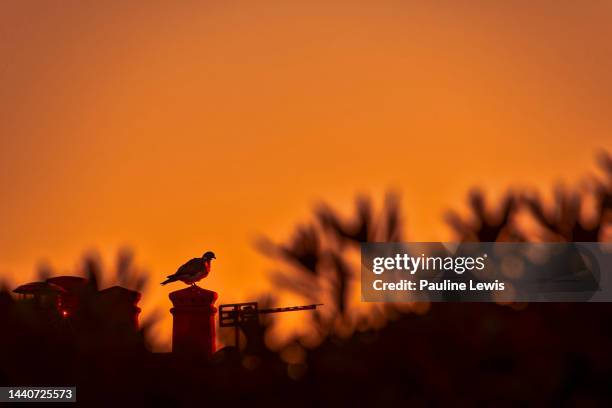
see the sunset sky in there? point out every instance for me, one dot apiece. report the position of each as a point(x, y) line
point(179, 127)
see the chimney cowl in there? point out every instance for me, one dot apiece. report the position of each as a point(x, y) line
point(193, 296)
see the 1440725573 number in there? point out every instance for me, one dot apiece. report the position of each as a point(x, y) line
point(38, 394)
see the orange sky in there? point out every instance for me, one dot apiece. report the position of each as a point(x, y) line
point(176, 129)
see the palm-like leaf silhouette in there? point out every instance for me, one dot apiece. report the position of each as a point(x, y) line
point(485, 225)
point(563, 220)
point(317, 255)
point(360, 229)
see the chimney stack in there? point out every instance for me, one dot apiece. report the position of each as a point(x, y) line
point(193, 327)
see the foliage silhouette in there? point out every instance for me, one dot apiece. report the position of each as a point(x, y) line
point(486, 226)
point(419, 354)
point(318, 256)
point(565, 221)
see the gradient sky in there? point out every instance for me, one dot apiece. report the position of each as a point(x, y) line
point(180, 127)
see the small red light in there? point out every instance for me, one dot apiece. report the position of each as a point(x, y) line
point(64, 313)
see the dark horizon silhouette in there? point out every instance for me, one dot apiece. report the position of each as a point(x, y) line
point(516, 353)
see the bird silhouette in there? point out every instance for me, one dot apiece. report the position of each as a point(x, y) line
point(192, 271)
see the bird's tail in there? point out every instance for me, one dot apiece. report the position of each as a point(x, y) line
point(167, 281)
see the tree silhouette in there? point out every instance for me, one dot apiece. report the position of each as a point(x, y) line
point(317, 258)
point(564, 220)
point(485, 225)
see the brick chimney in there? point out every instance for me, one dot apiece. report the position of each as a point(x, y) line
point(68, 300)
point(120, 306)
point(193, 327)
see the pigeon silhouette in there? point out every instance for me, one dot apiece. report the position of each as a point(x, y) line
point(192, 271)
